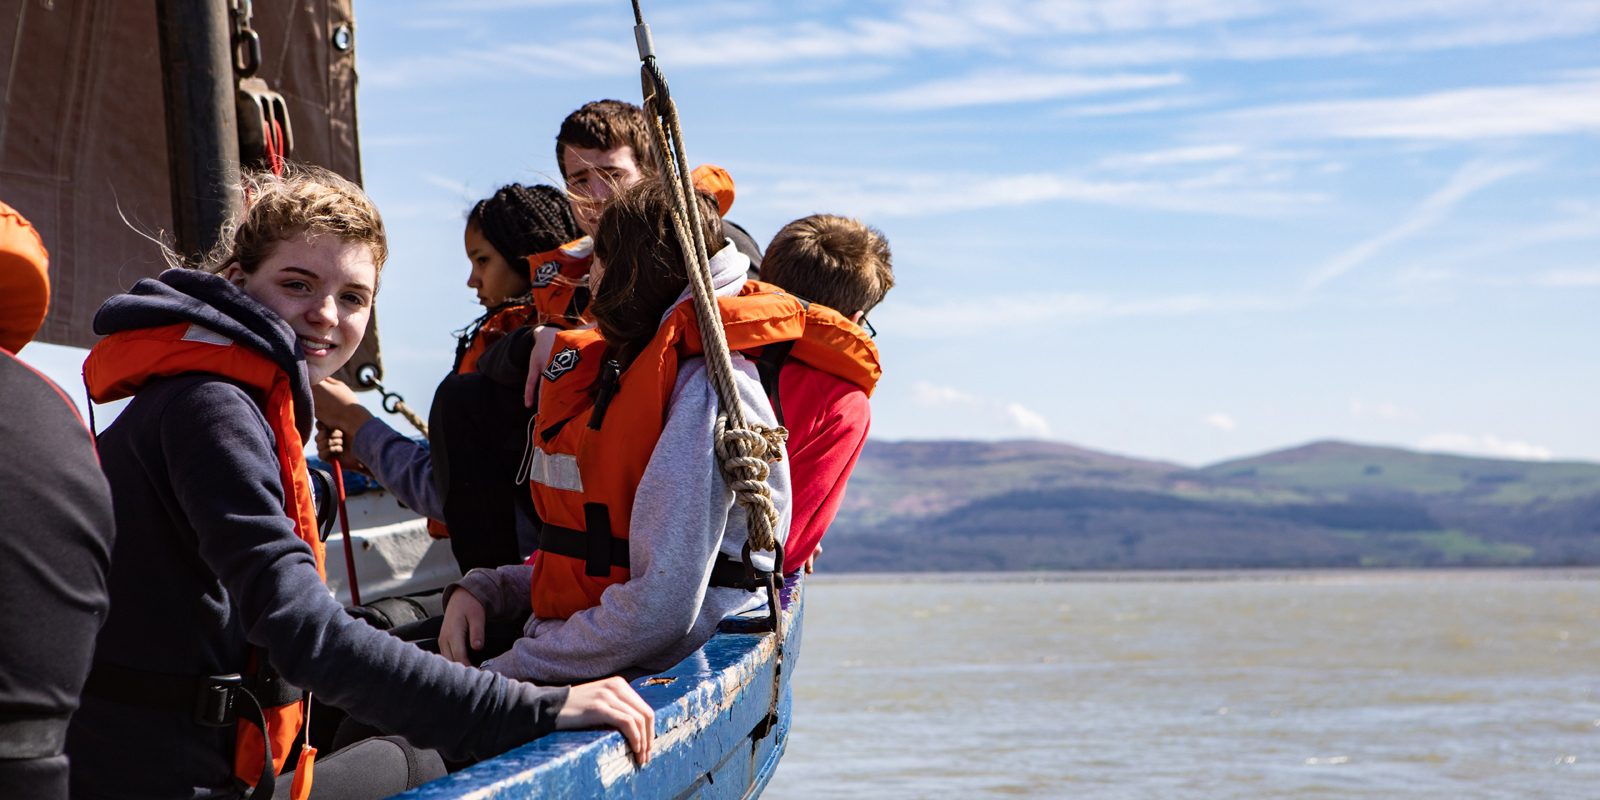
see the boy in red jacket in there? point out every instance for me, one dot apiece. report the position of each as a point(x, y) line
point(843, 264)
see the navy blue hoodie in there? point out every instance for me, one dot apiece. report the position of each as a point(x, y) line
point(206, 565)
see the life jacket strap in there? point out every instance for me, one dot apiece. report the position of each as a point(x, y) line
point(596, 547)
point(769, 366)
point(211, 700)
point(610, 377)
point(32, 737)
point(600, 551)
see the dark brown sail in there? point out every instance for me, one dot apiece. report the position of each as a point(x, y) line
point(83, 132)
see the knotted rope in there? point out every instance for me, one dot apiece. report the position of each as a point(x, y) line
point(744, 451)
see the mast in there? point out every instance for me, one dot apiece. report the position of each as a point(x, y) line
point(197, 66)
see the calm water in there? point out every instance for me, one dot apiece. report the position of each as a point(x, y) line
point(1301, 685)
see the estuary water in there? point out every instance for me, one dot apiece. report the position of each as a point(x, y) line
point(1446, 684)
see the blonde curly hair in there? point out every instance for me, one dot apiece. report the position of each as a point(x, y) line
point(305, 200)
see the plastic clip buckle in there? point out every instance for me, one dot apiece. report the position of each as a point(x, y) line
point(213, 704)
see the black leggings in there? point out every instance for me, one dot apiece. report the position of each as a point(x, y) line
point(370, 768)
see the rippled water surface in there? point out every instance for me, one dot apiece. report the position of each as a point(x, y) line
point(1299, 685)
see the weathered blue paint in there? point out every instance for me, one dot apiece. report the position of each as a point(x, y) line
point(706, 710)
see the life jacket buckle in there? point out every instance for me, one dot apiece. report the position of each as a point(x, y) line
point(213, 706)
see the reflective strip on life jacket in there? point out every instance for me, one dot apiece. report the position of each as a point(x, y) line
point(555, 470)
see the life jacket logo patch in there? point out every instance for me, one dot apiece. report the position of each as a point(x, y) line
point(560, 364)
point(545, 274)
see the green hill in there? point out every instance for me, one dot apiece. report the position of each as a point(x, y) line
point(918, 506)
point(1340, 467)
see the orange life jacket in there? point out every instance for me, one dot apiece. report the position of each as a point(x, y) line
point(122, 363)
point(560, 292)
point(491, 330)
point(831, 343)
point(24, 283)
point(590, 450)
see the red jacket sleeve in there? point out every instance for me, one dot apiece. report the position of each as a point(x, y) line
point(827, 420)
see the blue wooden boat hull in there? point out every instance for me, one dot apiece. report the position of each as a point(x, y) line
point(718, 732)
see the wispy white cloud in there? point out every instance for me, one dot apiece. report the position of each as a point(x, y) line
point(1180, 155)
point(1121, 33)
point(1569, 278)
point(459, 188)
point(1221, 422)
point(517, 61)
point(1110, 34)
point(1025, 420)
point(888, 194)
point(994, 88)
point(1143, 105)
point(1467, 181)
point(1497, 112)
point(1484, 255)
point(1052, 309)
point(1486, 444)
point(463, 6)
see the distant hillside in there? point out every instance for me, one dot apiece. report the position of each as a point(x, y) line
point(925, 506)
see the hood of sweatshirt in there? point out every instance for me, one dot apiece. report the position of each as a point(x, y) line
point(729, 270)
point(200, 298)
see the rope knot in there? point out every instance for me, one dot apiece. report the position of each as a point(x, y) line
point(745, 455)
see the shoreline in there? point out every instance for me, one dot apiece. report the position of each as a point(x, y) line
point(1335, 575)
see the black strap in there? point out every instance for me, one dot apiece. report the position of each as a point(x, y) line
point(610, 376)
point(600, 547)
point(251, 711)
point(32, 737)
point(727, 572)
point(769, 365)
point(574, 543)
point(210, 700)
point(213, 701)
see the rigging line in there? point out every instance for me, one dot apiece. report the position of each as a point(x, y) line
point(744, 451)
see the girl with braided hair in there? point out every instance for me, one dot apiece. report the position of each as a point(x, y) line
point(465, 481)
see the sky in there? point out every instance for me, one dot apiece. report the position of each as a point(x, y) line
point(1188, 230)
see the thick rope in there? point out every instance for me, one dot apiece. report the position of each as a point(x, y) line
point(412, 417)
point(745, 451)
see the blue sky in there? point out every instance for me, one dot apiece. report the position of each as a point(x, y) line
point(1189, 230)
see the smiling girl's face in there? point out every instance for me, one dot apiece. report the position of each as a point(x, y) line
point(323, 287)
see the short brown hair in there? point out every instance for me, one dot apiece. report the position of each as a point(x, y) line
point(305, 200)
point(607, 125)
point(839, 262)
point(644, 266)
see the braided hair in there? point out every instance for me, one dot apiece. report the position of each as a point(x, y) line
point(520, 221)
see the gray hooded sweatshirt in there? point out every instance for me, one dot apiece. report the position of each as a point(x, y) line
point(683, 515)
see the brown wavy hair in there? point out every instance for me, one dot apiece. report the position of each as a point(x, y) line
point(644, 266)
point(839, 262)
point(607, 125)
point(305, 200)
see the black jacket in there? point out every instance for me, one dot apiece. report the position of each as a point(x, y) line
point(207, 565)
point(54, 554)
